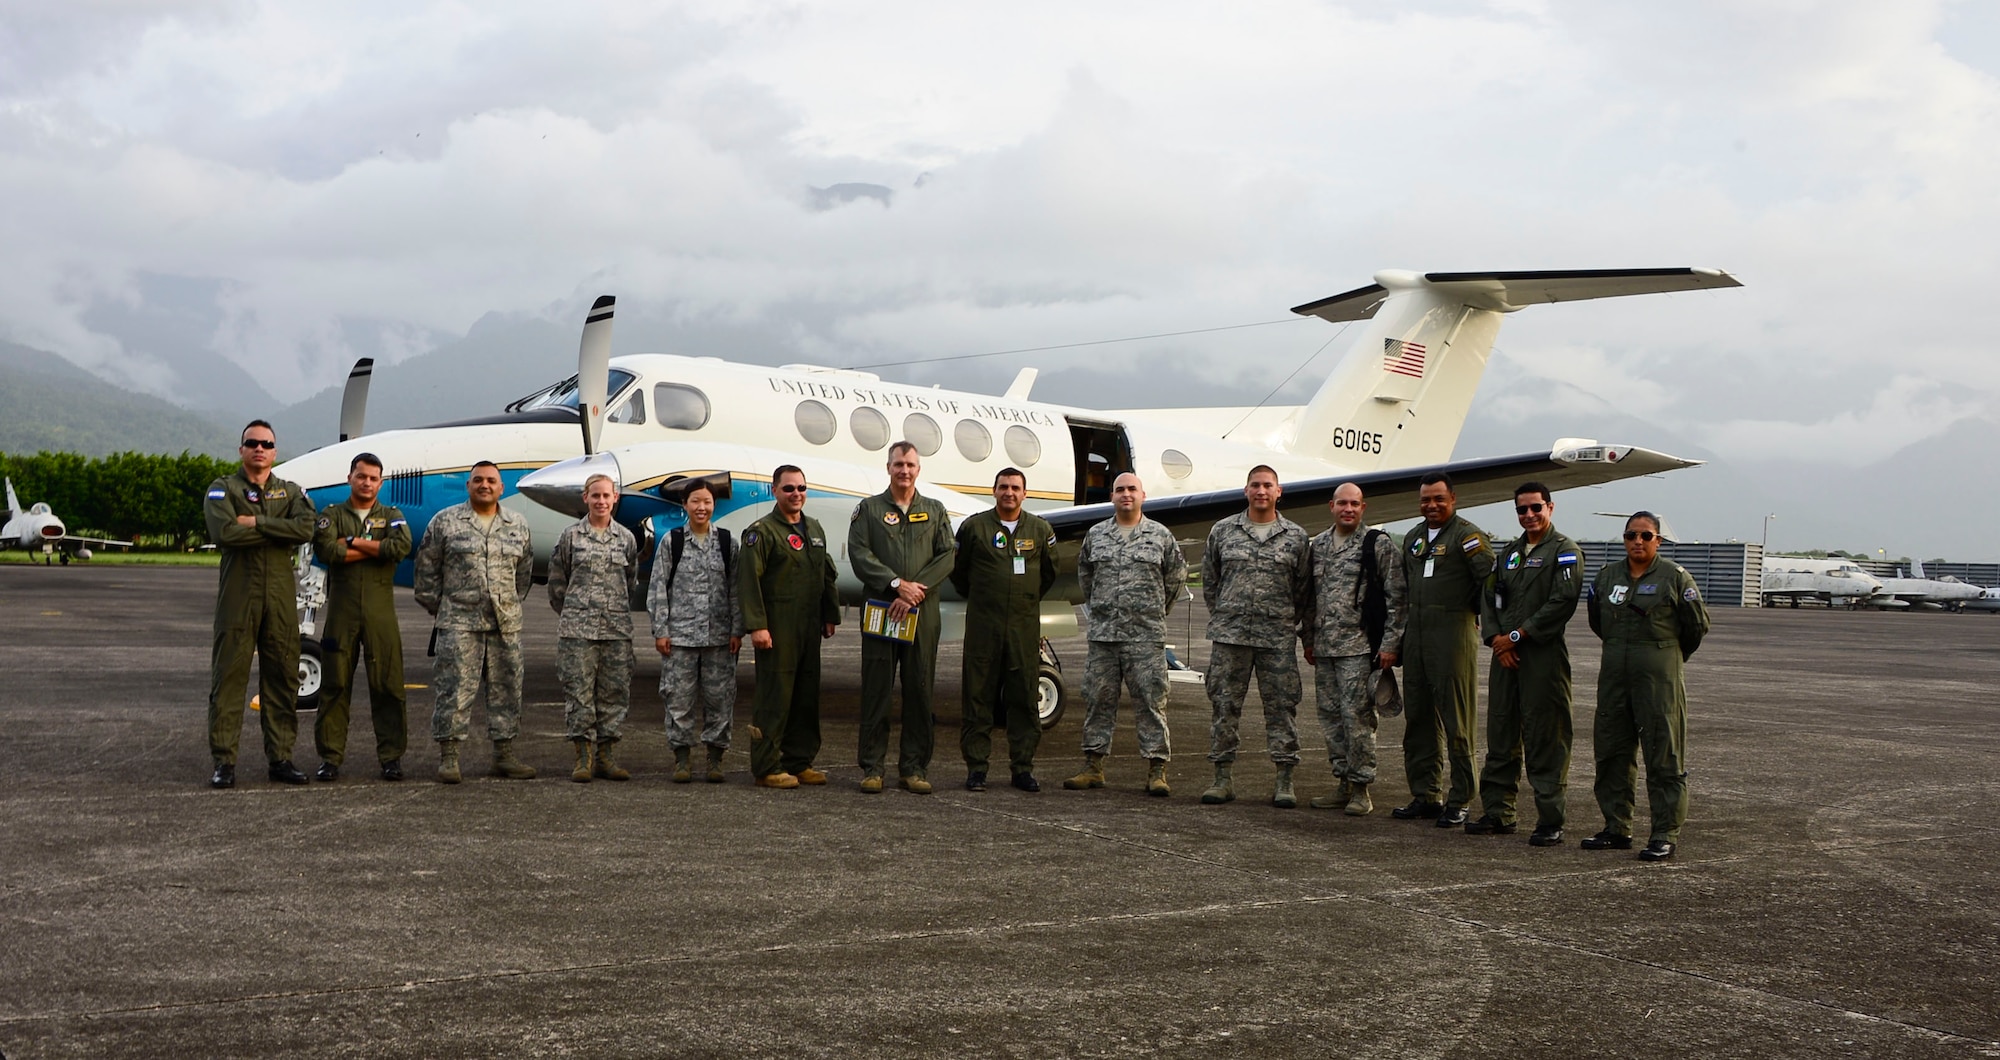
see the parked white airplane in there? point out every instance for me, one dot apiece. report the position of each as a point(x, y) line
point(37, 529)
point(1989, 600)
point(1390, 411)
point(1930, 594)
point(1838, 582)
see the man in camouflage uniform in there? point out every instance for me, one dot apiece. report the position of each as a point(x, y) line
point(1527, 605)
point(1256, 573)
point(593, 572)
point(360, 541)
point(1352, 564)
point(1131, 570)
point(786, 582)
point(697, 629)
point(1006, 563)
point(901, 547)
point(1649, 613)
point(474, 565)
point(258, 521)
point(1445, 561)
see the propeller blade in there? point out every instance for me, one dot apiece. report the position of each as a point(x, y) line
point(593, 372)
point(354, 402)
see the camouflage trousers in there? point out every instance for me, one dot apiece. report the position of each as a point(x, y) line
point(596, 677)
point(1347, 715)
point(1278, 687)
point(1141, 667)
point(699, 683)
point(470, 661)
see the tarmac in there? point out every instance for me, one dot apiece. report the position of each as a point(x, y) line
point(1835, 892)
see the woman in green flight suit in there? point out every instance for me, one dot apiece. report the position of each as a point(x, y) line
point(1649, 614)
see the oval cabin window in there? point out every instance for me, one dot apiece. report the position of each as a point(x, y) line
point(922, 432)
point(815, 421)
point(974, 441)
point(682, 408)
point(1023, 448)
point(1176, 464)
point(869, 428)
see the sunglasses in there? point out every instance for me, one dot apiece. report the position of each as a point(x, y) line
point(791, 489)
point(258, 443)
point(1523, 509)
point(1639, 535)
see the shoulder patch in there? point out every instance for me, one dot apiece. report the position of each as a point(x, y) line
point(856, 515)
point(1565, 559)
point(217, 494)
point(1472, 543)
point(394, 523)
point(750, 537)
point(1052, 540)
point(325, 522)
point(1691, 594)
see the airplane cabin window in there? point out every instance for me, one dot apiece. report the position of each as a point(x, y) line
point(632, 411)
point(974, 441)
point(682, 408)
point(923, 432)
point(1176, 464)
point(815, 421)
point(869, 428)
point(1023, 448)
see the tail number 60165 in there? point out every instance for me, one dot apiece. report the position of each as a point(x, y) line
point(1357, 441)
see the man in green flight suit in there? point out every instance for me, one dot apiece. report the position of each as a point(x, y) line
point(360, 542)
point(901, 546)
point(1006, 564)
point(786, 581)
point(1446, 560)
point(1527, 605)
point(1648, 612)
point(257, 520)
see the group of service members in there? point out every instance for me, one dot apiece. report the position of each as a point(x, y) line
point(1361, 605)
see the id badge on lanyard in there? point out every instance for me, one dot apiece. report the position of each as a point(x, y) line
point(1429, 566)
point(1020, 563)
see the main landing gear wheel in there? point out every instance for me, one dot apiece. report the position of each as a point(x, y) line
point(1050, 694)
point(312, 673)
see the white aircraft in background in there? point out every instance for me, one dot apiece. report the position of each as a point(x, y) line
point(1390, 411)
point(37, 529)
point(1838, 582)
point(1989, 600)
point(1930, 594)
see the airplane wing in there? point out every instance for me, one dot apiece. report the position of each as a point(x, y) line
point(1391, 494)
point(95, 541)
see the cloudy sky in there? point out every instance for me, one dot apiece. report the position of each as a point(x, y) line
point(290, 186)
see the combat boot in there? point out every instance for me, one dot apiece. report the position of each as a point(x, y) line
point(1221, 791)
point(1334, 800)
point(581, 774)
point(1281, 795)
point(1092, 775)
point(1156, 778)
point(506, 765)
point(715, 765)
point(1359, 804)
point(607, 769)
point(448, 762)
point(683, 768)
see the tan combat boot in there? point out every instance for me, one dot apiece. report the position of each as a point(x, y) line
point(1221, 790)
point(1334, 800)
point(607, 769)
point(506, 765)
point(448, 762)
point(683, 767)
point(1156, 778)
point(1092, 775)
point(1360, 805)
point(581, 774)
point(715, 765)
point(1281, 795)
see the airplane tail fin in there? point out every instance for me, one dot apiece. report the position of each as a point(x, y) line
point(1916, 568)
point(13, 502)
point(1400, 395)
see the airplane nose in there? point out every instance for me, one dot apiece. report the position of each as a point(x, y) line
point(559, 486)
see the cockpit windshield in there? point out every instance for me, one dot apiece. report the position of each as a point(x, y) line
point(563, 394)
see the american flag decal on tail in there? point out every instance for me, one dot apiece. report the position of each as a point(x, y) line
point(1403, 358)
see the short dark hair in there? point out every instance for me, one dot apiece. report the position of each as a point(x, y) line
point(697, 485)
point(1432, 477)
point(266, 424)
point(786, 469)
point(1526, 488)
point(1011, 472)
point(364, 458)
point(1265, 468)
point(902, 446)
point(1646, 515)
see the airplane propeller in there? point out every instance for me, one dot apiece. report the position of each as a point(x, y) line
point(593, 372)
point(354, 401)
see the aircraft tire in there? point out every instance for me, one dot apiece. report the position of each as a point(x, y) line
point(312, 673)
point(1052, 696)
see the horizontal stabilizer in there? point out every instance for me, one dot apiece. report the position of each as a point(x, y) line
point(1506, 292)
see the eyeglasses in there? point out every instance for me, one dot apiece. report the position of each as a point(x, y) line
point(1639, 535)
point(791, 489)
point(258, 443)
point(1523, 509)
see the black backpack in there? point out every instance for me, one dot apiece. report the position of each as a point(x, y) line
point(677, 543)
point(1372, 594)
